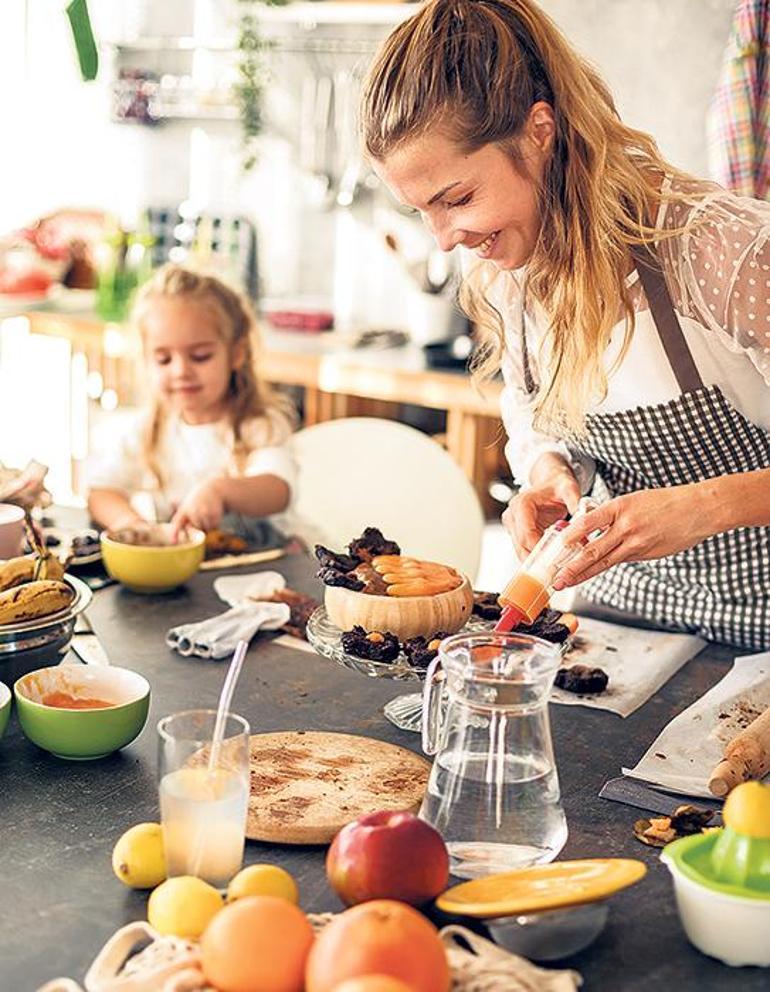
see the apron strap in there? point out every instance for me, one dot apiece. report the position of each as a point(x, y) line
point(666, 321)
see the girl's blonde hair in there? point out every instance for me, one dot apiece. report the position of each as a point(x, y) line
point(473, 69)
point(249, 398)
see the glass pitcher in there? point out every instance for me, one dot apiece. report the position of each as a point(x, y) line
point(493, 791)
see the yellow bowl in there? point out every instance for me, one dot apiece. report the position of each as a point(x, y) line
point(152, 567)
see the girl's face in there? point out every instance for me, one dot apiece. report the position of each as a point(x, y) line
point(190, 361)
point(480, 200)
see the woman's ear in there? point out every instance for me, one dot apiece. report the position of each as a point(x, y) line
point(541, 126)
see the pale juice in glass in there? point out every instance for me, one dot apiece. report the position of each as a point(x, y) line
point(204, 815)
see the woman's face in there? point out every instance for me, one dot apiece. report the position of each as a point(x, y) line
point(480, 199)
point(188, 357)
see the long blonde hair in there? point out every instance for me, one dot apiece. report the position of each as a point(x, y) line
point(248, 396)
point(474, 68)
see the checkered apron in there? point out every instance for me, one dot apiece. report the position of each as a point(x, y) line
point(719, 589)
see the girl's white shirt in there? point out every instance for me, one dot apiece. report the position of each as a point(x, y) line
point(189, 454)
point(718, 274)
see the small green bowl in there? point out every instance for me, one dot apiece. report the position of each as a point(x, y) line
point(5, 707)
point(83, 734)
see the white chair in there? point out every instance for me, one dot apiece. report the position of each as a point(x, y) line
point(363, 471)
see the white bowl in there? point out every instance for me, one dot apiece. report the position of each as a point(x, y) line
point(734, 929)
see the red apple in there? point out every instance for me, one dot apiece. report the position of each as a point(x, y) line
point(388, 855)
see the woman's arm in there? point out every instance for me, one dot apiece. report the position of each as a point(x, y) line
point(110, 508)
point(655, 523)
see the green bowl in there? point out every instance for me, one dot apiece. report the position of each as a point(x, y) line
point(82, 734)
point(5, 707)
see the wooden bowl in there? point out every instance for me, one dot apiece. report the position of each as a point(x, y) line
point(404, 616)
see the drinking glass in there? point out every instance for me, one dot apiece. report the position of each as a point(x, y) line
point(203, 812)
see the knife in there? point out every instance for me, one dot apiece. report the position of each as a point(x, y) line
point(632, 792)
point(86, 644)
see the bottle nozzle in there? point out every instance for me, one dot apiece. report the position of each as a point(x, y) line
point(511, 617)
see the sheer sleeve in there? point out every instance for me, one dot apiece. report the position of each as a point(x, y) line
point(719, 270)
point(525, 443)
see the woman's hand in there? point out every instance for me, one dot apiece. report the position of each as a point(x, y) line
point(555, 492)
point(203, 508)
point(651, 523)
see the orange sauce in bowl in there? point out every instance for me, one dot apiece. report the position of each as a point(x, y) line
point(64, 701)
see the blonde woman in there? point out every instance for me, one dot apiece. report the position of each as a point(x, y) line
point(628, 305)
point(211, 448)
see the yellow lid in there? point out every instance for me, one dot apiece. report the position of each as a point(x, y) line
point(562, 883)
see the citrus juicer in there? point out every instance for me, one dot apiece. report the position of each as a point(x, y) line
point(722, 880)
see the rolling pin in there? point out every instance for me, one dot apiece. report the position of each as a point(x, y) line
point(747, 756)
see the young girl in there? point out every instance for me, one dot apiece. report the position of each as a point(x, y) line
point(627, 303)
point(211, 449)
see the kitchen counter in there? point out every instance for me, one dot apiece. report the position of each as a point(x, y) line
point(61, 819)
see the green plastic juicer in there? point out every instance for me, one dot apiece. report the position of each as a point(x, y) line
point(741, 854)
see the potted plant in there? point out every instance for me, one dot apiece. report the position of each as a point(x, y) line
point(252, 76)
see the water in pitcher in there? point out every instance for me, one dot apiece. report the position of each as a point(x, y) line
point(519, 799)
point(203, 815)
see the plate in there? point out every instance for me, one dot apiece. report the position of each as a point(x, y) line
point(561, 883)
point(326, 638)
point(64, 548)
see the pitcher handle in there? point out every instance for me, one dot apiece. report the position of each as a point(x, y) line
point(431, 706)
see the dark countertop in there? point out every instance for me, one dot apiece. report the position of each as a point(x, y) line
point(61, 819)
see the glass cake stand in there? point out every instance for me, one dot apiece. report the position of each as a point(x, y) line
point(403, 711)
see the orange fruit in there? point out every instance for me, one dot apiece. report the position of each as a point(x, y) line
point(257, 944)
point(381, 937)
point(373, 983)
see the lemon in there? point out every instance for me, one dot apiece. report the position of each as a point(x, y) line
point(138, 858)
point(263, 880)
point(747, 810)
point(183, 907)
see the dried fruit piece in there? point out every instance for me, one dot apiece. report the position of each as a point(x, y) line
point(375, 646)
point(420, 651)
point(661, 830)
point(485, 605)
point(333, 577)
point(372, 543)
point(330, 559)
point(581, 678)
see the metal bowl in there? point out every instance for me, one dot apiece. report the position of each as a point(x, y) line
point(43, 641)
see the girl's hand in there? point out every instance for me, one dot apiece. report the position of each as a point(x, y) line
point(203, 508)
point(532, 510)
point(651, 523)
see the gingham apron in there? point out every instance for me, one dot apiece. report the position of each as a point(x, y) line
point(719, 589)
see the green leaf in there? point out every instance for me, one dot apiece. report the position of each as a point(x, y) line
point(80, 22)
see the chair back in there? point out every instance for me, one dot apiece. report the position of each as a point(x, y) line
point(363, 471)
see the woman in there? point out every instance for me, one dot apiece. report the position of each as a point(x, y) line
point(627, 303)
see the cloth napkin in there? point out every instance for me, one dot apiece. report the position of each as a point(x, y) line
point(237, 589)
point(218, 636)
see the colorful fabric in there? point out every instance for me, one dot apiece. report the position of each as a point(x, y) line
point(738, 123)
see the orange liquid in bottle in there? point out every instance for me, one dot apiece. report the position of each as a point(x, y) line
point(526, 594)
